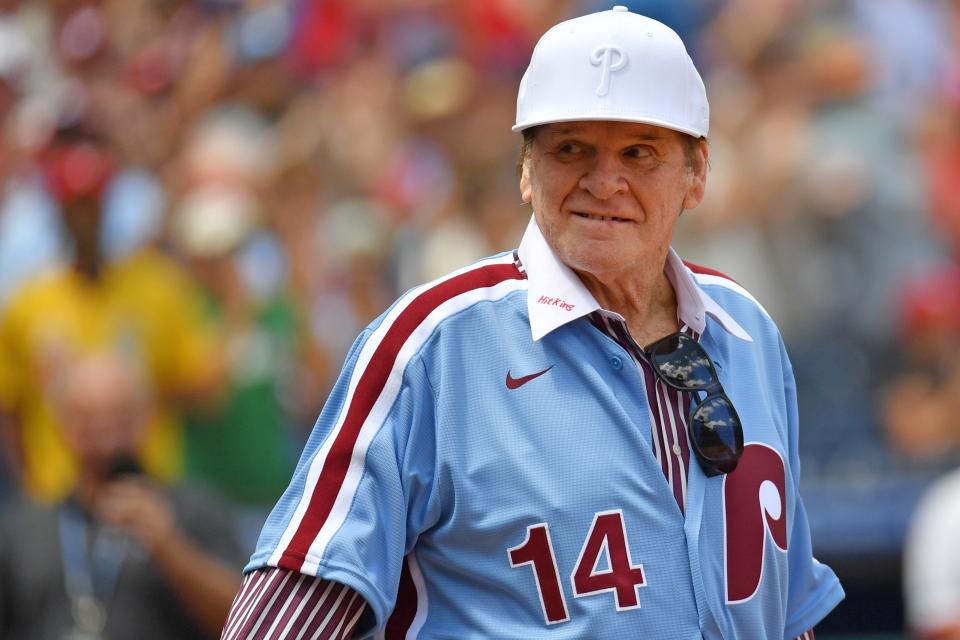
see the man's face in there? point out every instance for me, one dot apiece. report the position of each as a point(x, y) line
point(101, 414)
point(607, 195)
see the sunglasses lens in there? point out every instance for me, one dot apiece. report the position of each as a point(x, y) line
point(717, 433)
point(715, 429)
point(682, 362)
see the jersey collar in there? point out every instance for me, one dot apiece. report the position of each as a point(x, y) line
point(556, 295)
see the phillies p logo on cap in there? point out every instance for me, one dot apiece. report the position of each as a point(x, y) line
point(609, 57)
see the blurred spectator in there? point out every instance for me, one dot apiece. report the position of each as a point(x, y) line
point(931, 580)
point(29, 233)
point(238, 441)
point(121, 557)
point(353, 240)
point(922, 402)
point(909, 44)
point(143, 306)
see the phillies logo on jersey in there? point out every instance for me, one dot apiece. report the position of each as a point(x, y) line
point(754, 503)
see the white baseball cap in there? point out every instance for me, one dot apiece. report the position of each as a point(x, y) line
point(613, 65)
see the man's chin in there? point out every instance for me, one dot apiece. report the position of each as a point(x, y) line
point(601, 264)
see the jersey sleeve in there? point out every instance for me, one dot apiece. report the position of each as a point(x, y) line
point(364, 487)
point(814, 590)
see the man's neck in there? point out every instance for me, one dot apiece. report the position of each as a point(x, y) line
point(646, 301)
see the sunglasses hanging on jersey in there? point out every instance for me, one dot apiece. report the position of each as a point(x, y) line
point(714, 428)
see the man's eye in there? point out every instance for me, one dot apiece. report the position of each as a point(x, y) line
point(570, 147)
point(638, 152)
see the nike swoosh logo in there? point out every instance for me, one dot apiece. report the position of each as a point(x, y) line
point(516, 383)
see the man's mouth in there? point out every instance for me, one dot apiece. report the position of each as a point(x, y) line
point(590, 216)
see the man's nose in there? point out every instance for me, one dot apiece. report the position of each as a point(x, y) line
point(605, 178)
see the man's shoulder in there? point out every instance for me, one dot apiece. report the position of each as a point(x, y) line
point(731, 295)
point(736, 301)
point(23, 520)
point(699, 269)
point(42, 289)
point(721, 286)
point(449, 297)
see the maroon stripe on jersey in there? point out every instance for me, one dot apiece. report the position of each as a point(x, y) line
point(257, 584)
point(653, 400)
point(598, 323)
point(518, 264)
point(623, 337)
point(682, 408)
point(660, 445)
point(271, 598)
point(243, 601)
point(317, 618)
point(405, 610)
point(679, 402)
point(696, 268)
point(665, 425)
point(300, 590)
point(285, 592)
point(311, 618)
point(609, 329)
point(353, 617)
point(368, 389)
point(335, 626)
point(240, 600)
point(280, 602)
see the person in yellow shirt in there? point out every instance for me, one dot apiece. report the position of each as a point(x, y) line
point(144, 307)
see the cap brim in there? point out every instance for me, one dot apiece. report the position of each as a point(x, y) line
point(612, 118)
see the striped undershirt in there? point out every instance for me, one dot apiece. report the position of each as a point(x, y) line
point(279, 604)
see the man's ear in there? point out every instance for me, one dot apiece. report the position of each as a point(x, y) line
point(526, 189)
point(698, 176)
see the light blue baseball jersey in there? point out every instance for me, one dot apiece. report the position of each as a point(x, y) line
point(484, 469)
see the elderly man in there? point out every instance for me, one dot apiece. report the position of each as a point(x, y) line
point(586, 438)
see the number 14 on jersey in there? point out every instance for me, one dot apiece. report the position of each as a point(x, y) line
point(607, 537)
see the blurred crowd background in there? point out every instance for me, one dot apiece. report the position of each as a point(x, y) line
point(224, 192)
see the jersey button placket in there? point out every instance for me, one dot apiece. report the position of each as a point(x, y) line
point(616, 362)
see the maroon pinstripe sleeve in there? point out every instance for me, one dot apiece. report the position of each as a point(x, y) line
point(806, 635)
point(279, 604)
